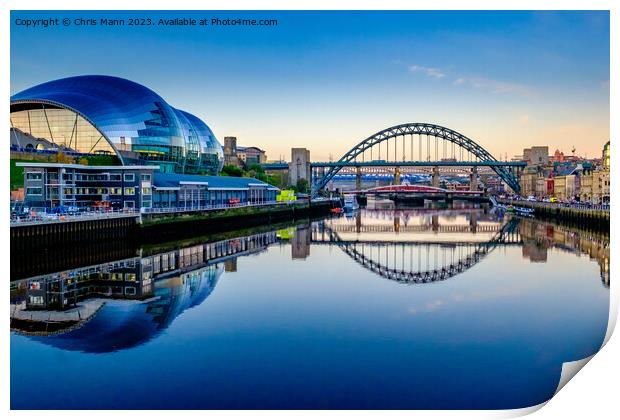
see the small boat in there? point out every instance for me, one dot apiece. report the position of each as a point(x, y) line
point(521, 211)
point(524, 211)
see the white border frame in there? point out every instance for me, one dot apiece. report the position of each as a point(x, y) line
point(593, 394)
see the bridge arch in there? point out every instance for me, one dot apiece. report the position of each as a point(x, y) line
point(368, 255)
point(420, 129)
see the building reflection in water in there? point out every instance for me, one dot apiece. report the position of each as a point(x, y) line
point(121, 304)
point(125, 303)
point(538, 237)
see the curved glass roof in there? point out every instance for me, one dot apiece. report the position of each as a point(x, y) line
point(138, 122)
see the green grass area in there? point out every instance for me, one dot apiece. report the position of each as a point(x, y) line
point(17, 176)
point(17, 173)
point(102, 160)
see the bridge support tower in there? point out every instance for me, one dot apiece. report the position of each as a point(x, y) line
point(435, 179)
point(397, 175)
point(473, 179)
point(358, 179)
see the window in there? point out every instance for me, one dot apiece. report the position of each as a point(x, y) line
point(146, 191)
point(34, 191)
point(115, 177)
point(36, 300)
point(34, 175)
point(129, 204)
point(129, 177)
point(130, 191)
point(146, 203)
point(116, 191)
point(145, 177)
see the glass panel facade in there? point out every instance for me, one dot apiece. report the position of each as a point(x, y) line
point(137, 121)
point(55, 128)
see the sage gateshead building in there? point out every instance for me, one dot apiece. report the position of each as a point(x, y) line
point(114, 120)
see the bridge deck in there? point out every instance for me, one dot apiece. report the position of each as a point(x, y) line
point(491, 163)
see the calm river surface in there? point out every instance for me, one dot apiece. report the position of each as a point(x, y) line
point(426, 309)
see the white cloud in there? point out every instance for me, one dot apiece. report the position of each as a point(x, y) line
point(433, 72)
point(482, 83)
point(495, 86)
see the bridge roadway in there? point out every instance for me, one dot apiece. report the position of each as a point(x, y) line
point(394, 164)
point(427, 227)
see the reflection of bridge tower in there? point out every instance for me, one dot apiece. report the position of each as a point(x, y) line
point(435, 222)
point(397, 175)
point(358, 178)
point(358, 222)
point(473, 179)
point(300, 244)
point(396, 223)
point(435, 179)
point(473, 222)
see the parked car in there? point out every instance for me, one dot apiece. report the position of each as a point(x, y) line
point(531, 198)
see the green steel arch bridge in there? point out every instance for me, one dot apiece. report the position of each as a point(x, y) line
point(413, 145)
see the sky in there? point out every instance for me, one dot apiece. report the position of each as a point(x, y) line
point(327, 80)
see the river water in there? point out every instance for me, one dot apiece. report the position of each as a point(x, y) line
point(385, 308)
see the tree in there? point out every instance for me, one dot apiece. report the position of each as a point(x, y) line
point(231, 170)
point(256, 168)
point(302, 185)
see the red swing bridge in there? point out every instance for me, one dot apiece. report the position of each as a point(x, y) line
point(413, 193)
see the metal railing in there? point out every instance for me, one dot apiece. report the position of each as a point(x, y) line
point(43, 218)
point(156, 210)
point(578, 206)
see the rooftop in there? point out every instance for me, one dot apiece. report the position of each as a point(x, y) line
point(168, 180)
point(91, 167)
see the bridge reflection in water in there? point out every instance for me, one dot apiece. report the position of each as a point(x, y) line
point(124, 303)
point(429, 245)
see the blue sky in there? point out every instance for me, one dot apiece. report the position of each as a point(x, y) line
point(326, 80)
